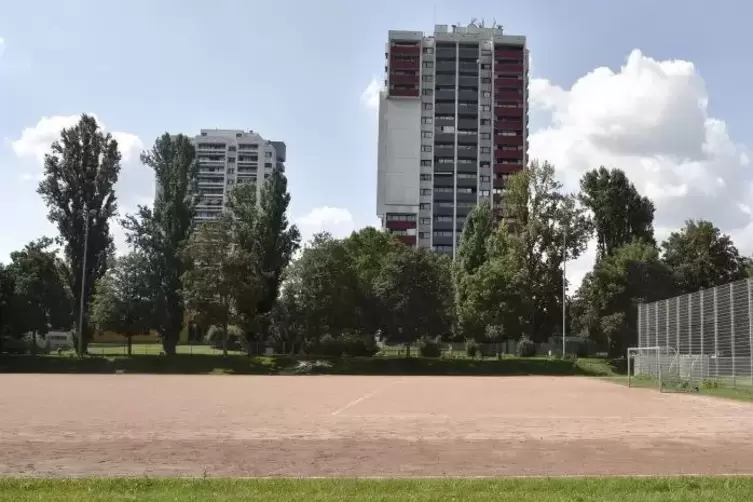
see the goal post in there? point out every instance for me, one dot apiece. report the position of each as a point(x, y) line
point(661, 367)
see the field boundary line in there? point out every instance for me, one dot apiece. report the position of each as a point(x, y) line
point(365, 397)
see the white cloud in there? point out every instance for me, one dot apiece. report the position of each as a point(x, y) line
point(35, 141)
point(337, 221)
point(2, 46)
point(650, 118)
point(370, 95)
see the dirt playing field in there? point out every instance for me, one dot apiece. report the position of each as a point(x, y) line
point(107, 425)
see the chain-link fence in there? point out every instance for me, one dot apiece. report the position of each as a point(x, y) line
point(704, 337)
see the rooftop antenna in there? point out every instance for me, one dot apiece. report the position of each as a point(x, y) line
point(473, 22)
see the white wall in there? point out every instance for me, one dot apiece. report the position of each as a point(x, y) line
point(399, 154)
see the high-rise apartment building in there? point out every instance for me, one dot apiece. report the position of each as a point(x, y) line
point(228, 157)
point(453, 126)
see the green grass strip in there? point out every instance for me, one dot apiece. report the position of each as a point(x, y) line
point(695, 489)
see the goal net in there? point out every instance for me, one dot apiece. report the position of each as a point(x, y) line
point(664, 368)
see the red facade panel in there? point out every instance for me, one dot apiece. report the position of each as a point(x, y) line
point(508, 82)
point(505, 169)
point(400, 225)
point(508, 69)
point(404, 79)
point(502, 111)
point(406, 50)
point(404, 64)
point(509, 96)
point(508, 53)
point(508, 125)
point(508, 140)
point(409, 240)
point(508, 154)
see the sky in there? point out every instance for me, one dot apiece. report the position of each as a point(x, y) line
point(658, 89)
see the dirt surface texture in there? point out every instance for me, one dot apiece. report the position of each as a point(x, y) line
point(134, 425)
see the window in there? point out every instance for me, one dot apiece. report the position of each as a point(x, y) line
point(267, 155)
point(443, 249)
point(428, 50)
point(428, 106)
point(486, 135)
point(428, 64)
point(486, 179)
point(444, 160)
point(485, 164)
point(486, 94)
point(425, 221)
point(423, 235)
point(231, 149)
point(426, 134)
point(486, 121)
point(428, 78)
point(427, 120)
point(443, 189)
point(428, 92)
point(486, 52)
point(443, 233)
point(508, 133)
point(426, 177)
point(424, 205)
point(486, 108)
point(426, 148)
point(426, 191)
point(401, 217)
point(231, 160)
point(486, 149)
point(426, 163)
point(443, 219)
point(486, 67)
point(444, 204)
point(268, 165)
point(486, 80)
point(484, 193)
point(466, 176)
point(465, 190)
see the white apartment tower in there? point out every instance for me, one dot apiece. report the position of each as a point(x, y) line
point(453, 126)
point(227, 157)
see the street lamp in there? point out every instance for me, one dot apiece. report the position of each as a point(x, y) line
point(88, 215)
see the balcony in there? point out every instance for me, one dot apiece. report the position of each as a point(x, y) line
point(508, 82)
point(508, 154)
point(406, 50)
point(505, 169)
point(509, 112)
point(402, 64)
point(499, 139)
point(508, 53)
point(410, 93)
point(404, 79)
point(509, 96)
point(400, 225)
point(508, 125)
point(408, 240)
point(508, 69)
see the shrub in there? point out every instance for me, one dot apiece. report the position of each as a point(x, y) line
point(358, 345)
point(235, 338)
point(526, 347)
point(471, 349)
point(329, 346)
point(429, 348)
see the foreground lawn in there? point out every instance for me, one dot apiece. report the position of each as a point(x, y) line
point(512, 490)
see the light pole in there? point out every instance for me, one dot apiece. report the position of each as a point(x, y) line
point(564, 287)
point(88, 215)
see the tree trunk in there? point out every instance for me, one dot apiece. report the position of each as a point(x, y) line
point(130, 345)
point(33, 343)
point(224, 339)
point(169, 343)
point(407, 350)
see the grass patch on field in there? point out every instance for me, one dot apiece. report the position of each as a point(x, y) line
point(241, 364)
point(507, 490)
point(741, 392)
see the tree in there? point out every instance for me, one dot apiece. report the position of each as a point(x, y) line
point(211, 285)
point(620, 213)
point(607, 301)
point(701, 257)
point(415, 288)
point(534, 237)
point(265, 233)
point(41, 299)
point(80, 173)
point(160, 232)
point(124, 300)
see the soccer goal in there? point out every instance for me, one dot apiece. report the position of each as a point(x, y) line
point(660, 367)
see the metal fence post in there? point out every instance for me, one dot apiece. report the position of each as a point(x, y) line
point(677, 316)
point(656, 323)
point(732, 327)
point(750, 330)
point(640, 325)
point(716, 336)
point(703, 361)
point(690, 324)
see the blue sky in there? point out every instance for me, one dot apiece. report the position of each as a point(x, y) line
point(297, 71)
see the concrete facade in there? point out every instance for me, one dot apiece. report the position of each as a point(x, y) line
point(453, 125)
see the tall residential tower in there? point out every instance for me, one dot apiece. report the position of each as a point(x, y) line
point(453, 126)
point(227, 157)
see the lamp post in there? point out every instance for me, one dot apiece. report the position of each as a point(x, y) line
point(564, 288)
point(88, 215)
